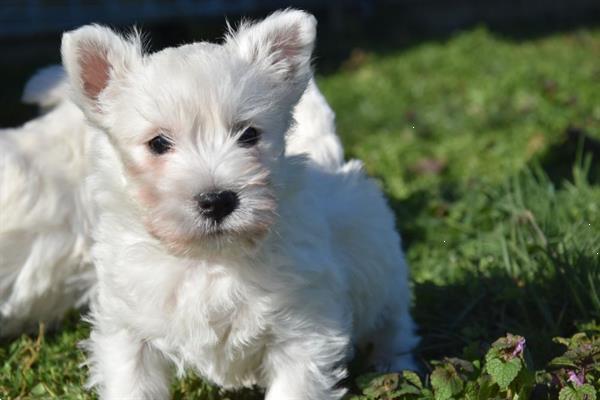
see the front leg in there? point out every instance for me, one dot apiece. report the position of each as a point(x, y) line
point(124, 367)
point(308, 368)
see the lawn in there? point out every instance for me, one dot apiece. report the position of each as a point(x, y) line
point(489, 151)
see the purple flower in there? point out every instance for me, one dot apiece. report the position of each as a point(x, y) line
point(576, 379)
point(519, 348)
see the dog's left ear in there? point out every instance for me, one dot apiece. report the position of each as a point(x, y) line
point(281, 44)
point(97, 61)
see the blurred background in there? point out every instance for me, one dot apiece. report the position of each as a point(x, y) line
point(481, 121)
point(30, 30)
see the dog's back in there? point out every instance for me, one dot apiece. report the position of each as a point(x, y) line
point(314, 132)
point(44, 210)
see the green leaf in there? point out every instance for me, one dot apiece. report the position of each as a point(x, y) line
point(446, 382)
point(406, 389)
point(486, 389)
point(39, 390)
point(583, 392)
point(504, 372)
point(567, 393)
point(587, 390)
point(412, 378)
point(471, 390)
point(381, 384)
point(562, 362)
point(427, 394)
point(560, 340)
point(364, 381)
point(507, 342)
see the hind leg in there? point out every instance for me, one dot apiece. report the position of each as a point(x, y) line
point(393, 343)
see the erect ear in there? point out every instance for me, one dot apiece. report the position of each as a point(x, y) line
point(282, 44)
point(96, 59)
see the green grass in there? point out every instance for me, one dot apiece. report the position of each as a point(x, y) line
point(488, 150)
point(461, 134)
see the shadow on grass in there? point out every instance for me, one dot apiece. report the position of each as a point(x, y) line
point(481, 308)
point(526, 260)
point(557, 160)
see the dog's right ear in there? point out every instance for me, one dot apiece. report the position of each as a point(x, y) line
point(96, 60)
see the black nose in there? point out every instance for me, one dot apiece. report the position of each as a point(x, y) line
point(217, 205)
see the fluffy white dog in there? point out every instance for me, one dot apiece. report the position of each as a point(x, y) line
point(216, 249)
point(45, 211)
point(229, 235)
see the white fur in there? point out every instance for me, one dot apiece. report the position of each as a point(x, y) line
point(307, 265)
point(47, 88)
point(314, 132)
point(46, 214)
point(45, 267)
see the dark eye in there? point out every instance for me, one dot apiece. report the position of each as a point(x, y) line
point(160, 144)
point(249, 137)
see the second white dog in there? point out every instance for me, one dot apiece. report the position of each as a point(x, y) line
point(216, 248)
point(45, 213)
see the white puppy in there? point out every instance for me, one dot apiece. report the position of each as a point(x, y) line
point(45, 267)
point(216, 249)
point(46, 215)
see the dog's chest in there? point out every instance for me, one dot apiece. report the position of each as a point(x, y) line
point(219, 327)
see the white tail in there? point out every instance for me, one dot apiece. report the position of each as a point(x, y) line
point(47, 88)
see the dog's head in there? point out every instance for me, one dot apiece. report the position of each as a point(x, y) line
point(199, 128)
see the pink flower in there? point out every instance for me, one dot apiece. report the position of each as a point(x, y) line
point(576, 379)
point(519, 348)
